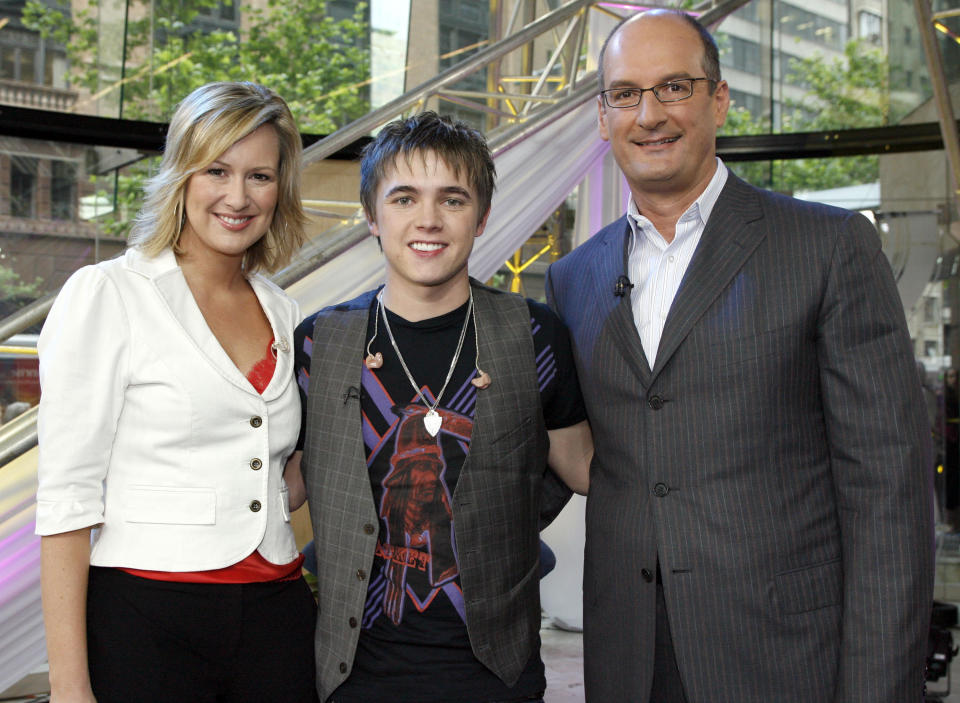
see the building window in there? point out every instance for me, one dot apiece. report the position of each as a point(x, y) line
point(63, 189)
point(23, 186)
point(871, 27)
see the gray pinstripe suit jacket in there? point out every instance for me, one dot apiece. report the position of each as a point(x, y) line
point(497, 503)
point(773, 460)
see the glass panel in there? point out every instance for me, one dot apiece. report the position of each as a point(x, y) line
point(63, 186)
point(23, 186)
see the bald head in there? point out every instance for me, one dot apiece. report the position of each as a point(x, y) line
point(710, 61)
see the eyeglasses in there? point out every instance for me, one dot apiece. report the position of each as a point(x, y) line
point(669, 92)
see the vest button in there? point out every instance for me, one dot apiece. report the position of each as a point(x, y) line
point(353, 622)
point(256, 464)
point(255, 506)
point(647, 576)
point(660, 490)
point(655, 402)
point(368, 528)
point(343, 667)
point(255, 421)
point(361, 574)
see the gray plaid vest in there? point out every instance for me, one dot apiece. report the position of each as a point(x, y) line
point(496, 504)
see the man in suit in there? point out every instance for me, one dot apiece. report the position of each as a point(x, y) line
point(758, 523)
point(427, 477)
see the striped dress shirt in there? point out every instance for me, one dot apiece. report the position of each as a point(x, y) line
point(656, 267)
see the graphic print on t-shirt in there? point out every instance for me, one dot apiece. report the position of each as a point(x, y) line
point(417, 544)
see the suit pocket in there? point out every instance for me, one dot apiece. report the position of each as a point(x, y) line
point(170, 505)
point(737, 350)
point(515, 434)
point(811, 588)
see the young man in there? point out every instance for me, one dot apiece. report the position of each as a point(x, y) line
point(758, 525)
point(432, 408)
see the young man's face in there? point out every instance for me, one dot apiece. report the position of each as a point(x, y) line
point(426, 219)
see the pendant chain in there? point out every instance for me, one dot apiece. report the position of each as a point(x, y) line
point(453, 363)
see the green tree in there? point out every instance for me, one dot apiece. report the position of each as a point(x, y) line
point(846, 92)
point(317, 63)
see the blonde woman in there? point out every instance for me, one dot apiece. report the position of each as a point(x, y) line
point(168, 412)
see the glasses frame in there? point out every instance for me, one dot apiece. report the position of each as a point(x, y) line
point(653, 89)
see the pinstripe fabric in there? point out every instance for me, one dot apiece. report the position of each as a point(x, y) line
point(496, 503)
point(772, 458)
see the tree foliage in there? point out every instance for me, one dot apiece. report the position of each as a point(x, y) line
point(313, 60)
point(317, 63)
point(846, 92)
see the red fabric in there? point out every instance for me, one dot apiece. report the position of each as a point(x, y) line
point(254, 568)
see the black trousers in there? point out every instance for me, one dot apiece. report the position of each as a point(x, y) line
point(161, 642)
point(667, 685)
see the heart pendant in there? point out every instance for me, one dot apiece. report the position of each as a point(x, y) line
point(432, 422)
point(374, 361)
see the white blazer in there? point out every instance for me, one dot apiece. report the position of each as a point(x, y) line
point(149, 430)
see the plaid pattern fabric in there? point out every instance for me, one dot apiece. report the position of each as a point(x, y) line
point(496, 504)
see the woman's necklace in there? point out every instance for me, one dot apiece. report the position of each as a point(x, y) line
point(432, 420)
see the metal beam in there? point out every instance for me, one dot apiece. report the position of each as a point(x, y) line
point(941, 92)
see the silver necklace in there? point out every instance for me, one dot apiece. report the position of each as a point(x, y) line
point(432, 420)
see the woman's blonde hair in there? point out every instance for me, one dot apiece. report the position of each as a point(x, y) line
point(208, 122)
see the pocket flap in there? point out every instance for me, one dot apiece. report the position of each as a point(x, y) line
point(170, 505)
point(810, 588)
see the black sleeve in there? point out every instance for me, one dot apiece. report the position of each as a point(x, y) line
point(302, 351)
point(559, 388)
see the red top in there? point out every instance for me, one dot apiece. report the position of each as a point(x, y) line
point(253, 569)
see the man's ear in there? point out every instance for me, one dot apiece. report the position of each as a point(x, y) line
point(374, 230)
point(602, 119)
point(483, 223)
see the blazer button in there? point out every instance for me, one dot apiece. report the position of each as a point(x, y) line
point(655, 402)
point(660, 490)
point(353, 622)
point(361, 574)
point(255, 506)
point(647, 576)
point(256, 464)
point(343, 667)
point(368, 528)
point(255, 421)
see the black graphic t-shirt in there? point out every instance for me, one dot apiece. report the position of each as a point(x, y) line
point(414, 642)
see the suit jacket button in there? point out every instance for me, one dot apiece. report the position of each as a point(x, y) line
point(655, 402)
point(256, 464)
point(343, 667)
point(255, 506)
point(361, 574)
point(368, 528)
point(647, 576)
point(256, 421)
point(660, 490)
point(353, 622)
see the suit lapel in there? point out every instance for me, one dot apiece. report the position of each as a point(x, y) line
point(730, 237)
point(610, 265)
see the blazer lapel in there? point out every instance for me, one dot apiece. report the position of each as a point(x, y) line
point(727, 242)
point(172, 288)
point(610, 265)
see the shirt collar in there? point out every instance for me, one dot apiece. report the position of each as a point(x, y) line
point(701, 207)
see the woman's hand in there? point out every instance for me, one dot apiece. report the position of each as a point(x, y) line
point(294, 480)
